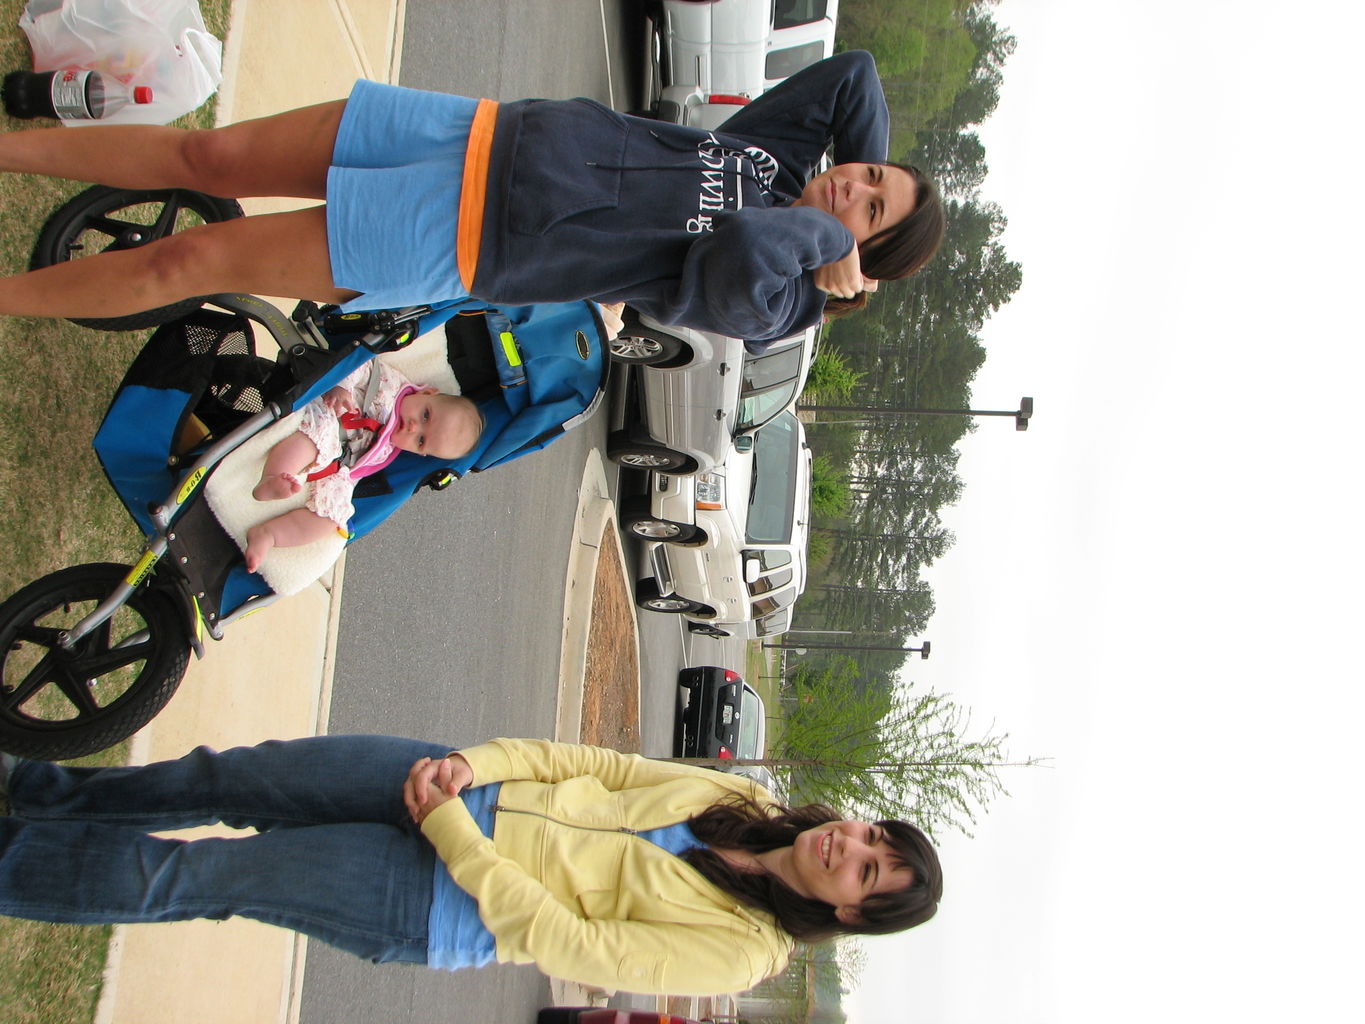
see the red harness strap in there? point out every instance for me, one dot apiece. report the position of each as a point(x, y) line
point(351, 421)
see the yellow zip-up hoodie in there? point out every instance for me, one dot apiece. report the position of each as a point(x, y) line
point(566, 884)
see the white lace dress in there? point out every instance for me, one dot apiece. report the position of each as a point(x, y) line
point(331, 495)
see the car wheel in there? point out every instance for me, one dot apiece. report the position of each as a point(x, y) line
point(706, 629)
point(640, 349)
point(643, 455)
point(639, 345)
point(636, 519)
point(647, 596)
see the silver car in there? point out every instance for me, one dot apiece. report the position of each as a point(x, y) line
point(691, 396)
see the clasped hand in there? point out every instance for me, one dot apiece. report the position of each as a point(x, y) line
point(844, 278)
point(431, 783)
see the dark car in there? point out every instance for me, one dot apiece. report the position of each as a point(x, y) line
point(723, 716)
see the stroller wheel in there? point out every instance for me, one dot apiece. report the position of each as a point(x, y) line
point(104, 218)
point(55, 703)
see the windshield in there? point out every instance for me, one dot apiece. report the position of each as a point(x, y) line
point(790, 13)
point(768, 387)
point(750, 718)
point(772, 501)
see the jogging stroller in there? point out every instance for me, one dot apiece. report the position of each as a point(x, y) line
point(91, 653)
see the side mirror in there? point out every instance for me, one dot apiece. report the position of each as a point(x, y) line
point(744, 443)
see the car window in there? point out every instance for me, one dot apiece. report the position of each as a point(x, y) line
point(769, 558)
point(766, 583)
point(772, 498)
point(768, 387)
point(750, 718)
point(787, 62)
point(770, 624)
point(756, 410)
point(761, 372)
point(790, 13)
point(768, 605)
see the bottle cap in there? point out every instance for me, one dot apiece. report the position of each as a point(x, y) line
point(142, 94)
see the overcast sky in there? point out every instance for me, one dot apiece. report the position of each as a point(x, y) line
point(1159, 585)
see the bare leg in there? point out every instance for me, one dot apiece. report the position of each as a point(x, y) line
point(279, 476)
point(291, 530)
point(281, 254)
point(282, 155)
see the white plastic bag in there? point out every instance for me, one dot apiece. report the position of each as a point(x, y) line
point(158, 43)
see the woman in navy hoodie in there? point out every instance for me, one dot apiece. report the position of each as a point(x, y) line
point(432, 197)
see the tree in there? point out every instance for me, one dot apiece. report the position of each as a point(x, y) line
point(830, 377)
point(885, 752)
point(828, 488)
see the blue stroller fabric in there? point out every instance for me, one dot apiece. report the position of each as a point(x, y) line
point(535, 371)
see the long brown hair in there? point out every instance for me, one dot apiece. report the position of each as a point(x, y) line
point(901, 249)
point(740, 823)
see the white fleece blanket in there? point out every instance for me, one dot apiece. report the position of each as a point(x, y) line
point(289, 570)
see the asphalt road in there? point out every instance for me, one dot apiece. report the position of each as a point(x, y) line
point(451, 622)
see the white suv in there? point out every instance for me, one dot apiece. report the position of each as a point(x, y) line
point(701, 395)
point(728, 546)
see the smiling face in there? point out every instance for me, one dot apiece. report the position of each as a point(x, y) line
point(866, 198)
point(842, 863)
point(431, 423)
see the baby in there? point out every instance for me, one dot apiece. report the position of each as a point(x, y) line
point(355, 429)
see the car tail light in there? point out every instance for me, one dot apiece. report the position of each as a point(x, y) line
point(732, 677)
point(727, 98)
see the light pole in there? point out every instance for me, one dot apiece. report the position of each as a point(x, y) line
point(1021, 415)
point(807, 645)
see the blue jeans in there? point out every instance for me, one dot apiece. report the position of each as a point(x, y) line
point(337, 857)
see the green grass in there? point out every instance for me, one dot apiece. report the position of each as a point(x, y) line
point(759, 664)
point(55, 510)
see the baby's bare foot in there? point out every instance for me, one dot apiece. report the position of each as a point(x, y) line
point(273, 488)
point(259, 540)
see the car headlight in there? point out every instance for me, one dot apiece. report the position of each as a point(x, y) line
point(710, 489)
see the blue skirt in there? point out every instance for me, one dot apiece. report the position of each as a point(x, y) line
point(393, 195)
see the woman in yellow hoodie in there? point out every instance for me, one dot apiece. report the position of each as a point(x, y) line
point(603, 868)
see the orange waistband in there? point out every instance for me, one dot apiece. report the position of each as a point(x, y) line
point(474, 190)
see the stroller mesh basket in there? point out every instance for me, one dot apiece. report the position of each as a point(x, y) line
point(211, 356)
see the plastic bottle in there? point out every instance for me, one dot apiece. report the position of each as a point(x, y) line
point(72, 95)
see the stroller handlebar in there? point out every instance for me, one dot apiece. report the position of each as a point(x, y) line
point(380, 330)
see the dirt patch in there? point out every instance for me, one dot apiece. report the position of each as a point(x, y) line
point(611, 688)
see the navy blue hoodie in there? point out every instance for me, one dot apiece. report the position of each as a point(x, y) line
point(690, 226)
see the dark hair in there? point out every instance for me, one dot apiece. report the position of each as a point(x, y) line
point(740, 823)
point(904, 247)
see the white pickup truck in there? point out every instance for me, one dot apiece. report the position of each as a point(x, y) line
point(727, 547)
